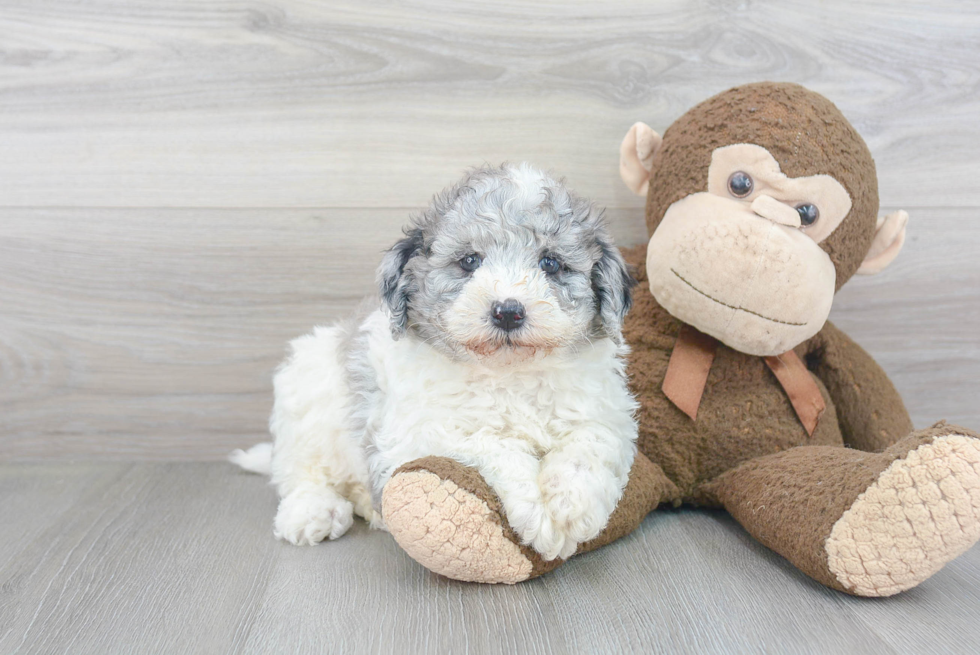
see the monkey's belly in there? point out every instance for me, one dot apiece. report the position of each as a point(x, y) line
point(744, 413)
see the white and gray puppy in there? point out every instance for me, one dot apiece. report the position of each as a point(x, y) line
point(497, 344)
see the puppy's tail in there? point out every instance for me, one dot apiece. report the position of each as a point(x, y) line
point(257, 459)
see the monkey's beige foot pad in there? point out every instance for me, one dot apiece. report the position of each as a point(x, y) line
point(920, 513)
point(450, 530)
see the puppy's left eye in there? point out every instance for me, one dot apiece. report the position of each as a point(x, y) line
point(549, 265)
point(471, 262)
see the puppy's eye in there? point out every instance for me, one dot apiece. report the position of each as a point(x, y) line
point(808, 213)
point(740, 184)
point(471, 262)
point(549, 265)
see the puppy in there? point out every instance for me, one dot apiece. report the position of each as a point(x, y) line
point(497, 343)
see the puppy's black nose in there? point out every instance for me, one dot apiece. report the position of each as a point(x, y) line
point(507, 315)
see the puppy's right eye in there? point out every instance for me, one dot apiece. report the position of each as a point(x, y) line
point(471, 262)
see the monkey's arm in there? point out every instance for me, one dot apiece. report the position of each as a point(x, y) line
point(871, 414)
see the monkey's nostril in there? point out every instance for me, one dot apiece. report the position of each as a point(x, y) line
point(507, 315)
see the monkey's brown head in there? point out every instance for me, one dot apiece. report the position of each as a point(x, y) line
point(761, 203)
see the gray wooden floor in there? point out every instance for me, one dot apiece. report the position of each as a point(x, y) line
point(179, 558)
point(186, 185)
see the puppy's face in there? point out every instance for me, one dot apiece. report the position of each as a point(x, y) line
point(505, 264)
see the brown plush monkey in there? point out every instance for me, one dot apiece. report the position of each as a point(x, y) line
point(761, 203)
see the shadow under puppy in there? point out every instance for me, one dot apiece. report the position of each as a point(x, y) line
point(497, 344)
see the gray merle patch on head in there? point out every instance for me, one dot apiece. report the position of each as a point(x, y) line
point(510, 217)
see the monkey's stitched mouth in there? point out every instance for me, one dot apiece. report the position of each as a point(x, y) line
point(740, 309)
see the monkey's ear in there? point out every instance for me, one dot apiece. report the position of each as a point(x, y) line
point(393, 283)
point(888, 241)
point(636, 157)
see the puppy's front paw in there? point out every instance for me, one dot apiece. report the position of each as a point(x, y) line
point(551, 541)
point(578, 507)
point(526, 514)
point(529, 518)
point(308, 516)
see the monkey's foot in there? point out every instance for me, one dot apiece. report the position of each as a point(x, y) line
point(446, 517)
point(449, 520)
point(920, 513)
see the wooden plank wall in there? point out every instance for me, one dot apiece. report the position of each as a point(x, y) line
point(184, 186)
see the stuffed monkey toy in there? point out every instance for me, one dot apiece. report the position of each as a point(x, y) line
point(762, 202)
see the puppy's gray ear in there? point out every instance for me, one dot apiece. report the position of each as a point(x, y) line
point(394, 284)
point(613, 288)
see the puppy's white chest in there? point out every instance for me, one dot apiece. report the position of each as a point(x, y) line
point(429, 404)
point(428, 393)
point(427, 398)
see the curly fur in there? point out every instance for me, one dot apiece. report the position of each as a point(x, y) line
point(543, 411)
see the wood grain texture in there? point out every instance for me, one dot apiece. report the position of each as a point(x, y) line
point(180, 558)
point(154, 334)
point(185, 186)
point(292, 103)
point(148, 559)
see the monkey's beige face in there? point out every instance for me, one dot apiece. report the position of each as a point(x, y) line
point(740, 262)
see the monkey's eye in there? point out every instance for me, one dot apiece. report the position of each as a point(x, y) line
point(549, 265)
point(471, 262)
point(740, 184)
point(808, 213)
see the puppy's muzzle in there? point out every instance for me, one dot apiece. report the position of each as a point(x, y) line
point(507, 315)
